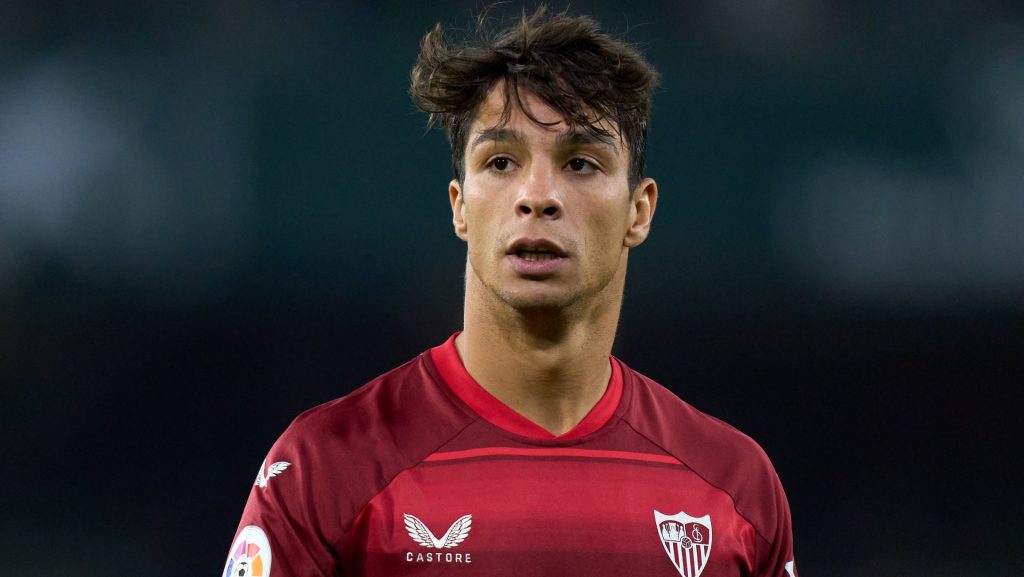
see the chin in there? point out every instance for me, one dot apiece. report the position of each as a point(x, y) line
point(535, 302)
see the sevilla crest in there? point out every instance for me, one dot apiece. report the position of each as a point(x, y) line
point(687, 541)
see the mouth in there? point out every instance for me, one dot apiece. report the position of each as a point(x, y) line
point(535, 254)
point(534, 249)
point(536, 258)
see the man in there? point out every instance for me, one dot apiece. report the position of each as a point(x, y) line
point(520, 446)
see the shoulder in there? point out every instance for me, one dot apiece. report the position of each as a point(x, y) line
point(679, 427)
point(407, 401)
point(716, 451)
point(348, 449)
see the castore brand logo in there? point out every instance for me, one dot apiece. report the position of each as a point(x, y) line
point(452, 538)
point(274, 470)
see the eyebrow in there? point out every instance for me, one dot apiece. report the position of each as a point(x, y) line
point(495, 134)
point(584, 137)
point(570, 138)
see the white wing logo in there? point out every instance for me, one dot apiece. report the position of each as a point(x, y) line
point(456, 534)
point(274, 470)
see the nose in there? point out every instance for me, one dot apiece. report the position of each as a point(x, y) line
point(538, 194)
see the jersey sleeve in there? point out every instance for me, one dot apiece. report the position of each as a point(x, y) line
point(777, 557)
point(280, 519)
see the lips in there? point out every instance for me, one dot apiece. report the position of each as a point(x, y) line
point(536, 249)
point(533, 254)
point(536, 258)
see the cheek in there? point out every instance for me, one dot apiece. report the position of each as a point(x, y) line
point(476, 216)
point(481, 227)
point(606, 235)
point(608, 227)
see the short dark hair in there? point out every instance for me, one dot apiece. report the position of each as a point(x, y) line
point(579, 71)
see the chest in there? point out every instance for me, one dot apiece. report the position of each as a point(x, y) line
point(542, 515)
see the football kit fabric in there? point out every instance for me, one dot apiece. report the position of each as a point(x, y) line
point(423, 472)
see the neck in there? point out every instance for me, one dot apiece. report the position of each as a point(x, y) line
point(549, 365)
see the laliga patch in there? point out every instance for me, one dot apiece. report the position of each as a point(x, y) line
point(249, 555)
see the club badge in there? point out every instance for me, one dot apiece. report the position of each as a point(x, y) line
point(687, 541)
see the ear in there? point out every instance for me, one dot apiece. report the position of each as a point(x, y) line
point(458, 208)
point(644, 202)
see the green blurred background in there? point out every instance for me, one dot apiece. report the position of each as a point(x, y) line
point(216, 215)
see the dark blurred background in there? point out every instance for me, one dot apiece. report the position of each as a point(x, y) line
point(215, 216)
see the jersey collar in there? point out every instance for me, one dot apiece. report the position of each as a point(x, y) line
point(449, 365)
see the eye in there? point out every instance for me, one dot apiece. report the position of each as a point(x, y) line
point(501, 163)
point(581, 165)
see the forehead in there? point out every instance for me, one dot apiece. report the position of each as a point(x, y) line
point(529, 112)
point(492, 110)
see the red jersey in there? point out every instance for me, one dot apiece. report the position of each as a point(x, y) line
point(423, 472)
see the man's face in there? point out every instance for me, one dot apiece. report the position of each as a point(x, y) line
point(546, 211)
